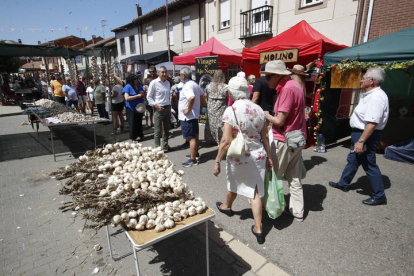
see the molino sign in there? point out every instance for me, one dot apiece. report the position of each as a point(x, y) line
point(288, 55)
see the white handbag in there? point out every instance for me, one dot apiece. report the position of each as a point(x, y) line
point(238, 145)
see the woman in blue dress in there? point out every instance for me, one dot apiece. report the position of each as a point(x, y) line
point(134, 94)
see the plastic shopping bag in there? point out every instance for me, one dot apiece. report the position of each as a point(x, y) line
point(274, 199)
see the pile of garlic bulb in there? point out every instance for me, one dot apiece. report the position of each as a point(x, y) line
point(71, 117)
point(54, 107)
point(161, 217)
point(134, 172)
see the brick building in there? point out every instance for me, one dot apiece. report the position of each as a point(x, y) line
point(384, 17)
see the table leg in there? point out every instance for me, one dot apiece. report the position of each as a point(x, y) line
point(109, 242)
point(207, 251)
point(136, 258)
point(53, 148)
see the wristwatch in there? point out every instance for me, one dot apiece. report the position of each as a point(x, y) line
point(361, 141)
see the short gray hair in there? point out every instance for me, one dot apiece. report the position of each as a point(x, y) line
point(186, 71)
point(377, 74)
point(162, 67)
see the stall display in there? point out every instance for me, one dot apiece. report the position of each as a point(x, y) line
point(392, 52)
point(130, 185)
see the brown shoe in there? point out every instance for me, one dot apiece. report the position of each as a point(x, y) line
point(167, 148)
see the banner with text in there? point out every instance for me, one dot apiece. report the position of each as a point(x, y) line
point(288, 55)
point(205, 69)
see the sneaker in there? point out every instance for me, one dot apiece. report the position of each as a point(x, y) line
point(287, 211)
point(190, 163)
point(197, 156)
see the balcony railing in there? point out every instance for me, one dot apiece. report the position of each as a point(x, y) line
point(256, 22)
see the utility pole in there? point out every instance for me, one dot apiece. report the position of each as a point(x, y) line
point(103, 24)
point(168, 29)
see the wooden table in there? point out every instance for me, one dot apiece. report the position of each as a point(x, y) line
point(142, 239)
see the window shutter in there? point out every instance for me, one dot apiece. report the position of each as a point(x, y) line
point(225, 13)
point(171, 32)
point(187, 30)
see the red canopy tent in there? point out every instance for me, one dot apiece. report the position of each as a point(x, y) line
point(211, 47)
point(311, 45)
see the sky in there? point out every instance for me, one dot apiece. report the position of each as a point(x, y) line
point(45, 20)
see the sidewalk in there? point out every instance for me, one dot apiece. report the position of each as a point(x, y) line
point(10, 110)
point(36, 238)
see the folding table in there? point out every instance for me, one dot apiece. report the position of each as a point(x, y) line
point(142, 239)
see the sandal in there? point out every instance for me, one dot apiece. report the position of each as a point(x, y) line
point(259, 236)
point(228, 212)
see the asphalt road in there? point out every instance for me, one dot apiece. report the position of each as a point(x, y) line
point(339, 236)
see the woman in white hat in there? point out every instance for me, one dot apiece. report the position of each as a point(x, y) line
point(245, 174)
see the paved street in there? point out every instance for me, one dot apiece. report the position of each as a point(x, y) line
point(339, 236)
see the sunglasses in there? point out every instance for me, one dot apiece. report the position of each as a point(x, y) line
point(268, 77)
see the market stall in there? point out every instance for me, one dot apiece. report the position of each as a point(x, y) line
point(310, 44)
point(301, 44)
point(393, 52)
point(211, 47)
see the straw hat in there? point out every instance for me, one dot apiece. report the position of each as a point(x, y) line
point(117, 80)
point(298, 70)
point(276, 67)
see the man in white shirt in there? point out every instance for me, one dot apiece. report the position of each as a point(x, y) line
point(158, 97)
point(367, 122)
point(189, 112)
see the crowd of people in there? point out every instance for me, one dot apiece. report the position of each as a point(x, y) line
point(275, 101)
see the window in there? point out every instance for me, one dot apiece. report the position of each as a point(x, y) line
point(123, 52)
point(307, 3)
point(150, 37)
point(132, 44)
point(224, 14)
point(186, 28)
point(171, 33)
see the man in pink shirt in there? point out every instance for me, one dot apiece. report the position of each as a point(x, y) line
point(289, 116)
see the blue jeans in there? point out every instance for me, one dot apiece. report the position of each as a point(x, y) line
point(368, 162)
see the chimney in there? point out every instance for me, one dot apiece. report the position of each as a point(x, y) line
point(93, 36)
point(39, 42)
point(139, 10)
point(20, 41)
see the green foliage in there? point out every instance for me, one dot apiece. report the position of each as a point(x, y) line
point(9, 64)
point(347, 64)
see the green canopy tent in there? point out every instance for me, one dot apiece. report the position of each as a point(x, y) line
point(21, 50)
point(395, 53)
point(395, 47)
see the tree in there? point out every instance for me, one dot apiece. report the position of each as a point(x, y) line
point(9, 64)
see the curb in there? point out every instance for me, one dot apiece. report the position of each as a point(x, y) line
point(11, 114)
point(237, 254)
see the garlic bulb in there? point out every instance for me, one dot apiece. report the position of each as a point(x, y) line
point(140, 227)
point(116, 219)
point(151, 215)
point(141, 211)
point(159, 228)
point(176, 203)
point(103, 192)
point(124, 216)
point(161, 207)
point(169, 223)
point(132, 214)
point(177, 217)
point(184, 213)
point(150, 224)
point(143, 219)
point(192, 211)
point(132, 223)
point(169, 211)
point(199, 209)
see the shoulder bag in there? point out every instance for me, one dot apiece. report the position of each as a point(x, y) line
point(238, 145)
